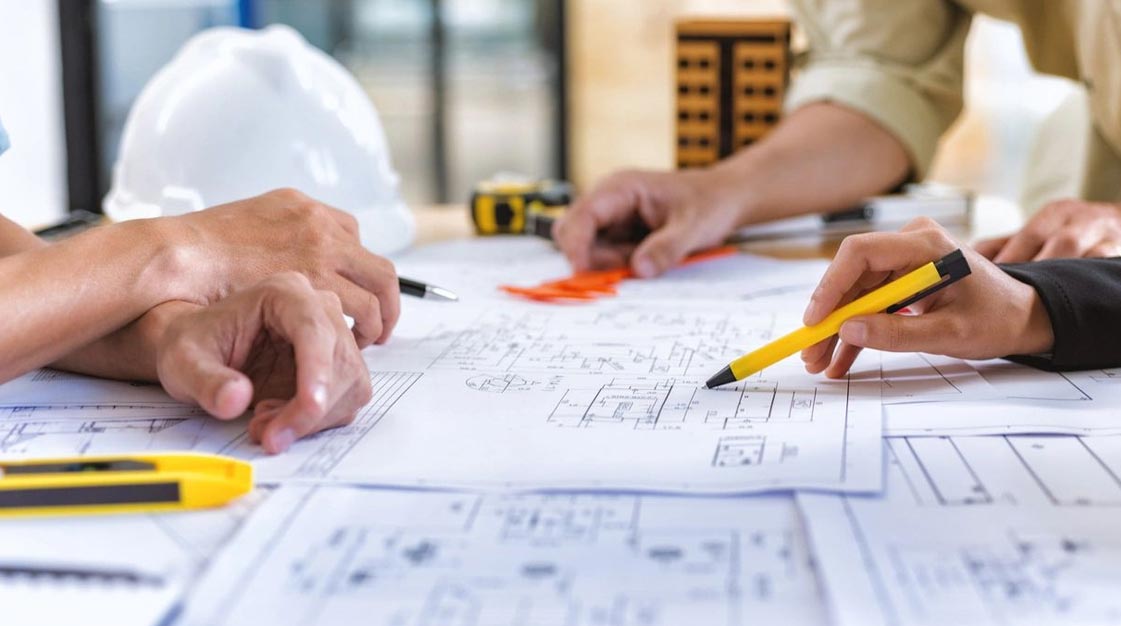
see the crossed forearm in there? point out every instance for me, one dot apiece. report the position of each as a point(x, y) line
point(129, 353)
point(63, 302)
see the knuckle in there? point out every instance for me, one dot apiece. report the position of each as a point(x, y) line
point(895, 336)
point(288, 194)
point(386, 268)
point(1057, 206)
point(1067, 239)
point(287, 282)
point(373, 305)
point(350, 221)
point(312, 210)
point(957, 330)
point(622, 177)
point(364, 389)
point(315, 238)
point(331, 301)
point(854, 245)
point(925, 223)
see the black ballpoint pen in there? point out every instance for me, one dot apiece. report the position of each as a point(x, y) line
point(421, 290)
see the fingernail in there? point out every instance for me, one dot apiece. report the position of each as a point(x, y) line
point(283, 439)
point(645, 268)
point(319, 395)
point(854, 333)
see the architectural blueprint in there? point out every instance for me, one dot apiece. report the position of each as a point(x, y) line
point(910, 378)
point(1006, 529)
point(1022, 399)
point(47, 387)
point(610, 396)
point(480, 265)
point(129, 570)
point(341, 555)
point(542, 391)
point(66, 430)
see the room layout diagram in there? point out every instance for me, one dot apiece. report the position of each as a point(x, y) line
point(563, 393)
point(346, 555)
point(675, 404)
point(620, 339)
point(68, 430)
point(1013, 530)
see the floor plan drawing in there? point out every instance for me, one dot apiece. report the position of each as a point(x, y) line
point(340, 555)
point(625, 339)
point(674, 404)
point(1013, 530)
point(67, 430)
point(317, 456)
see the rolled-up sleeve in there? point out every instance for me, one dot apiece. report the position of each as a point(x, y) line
point(900, 62)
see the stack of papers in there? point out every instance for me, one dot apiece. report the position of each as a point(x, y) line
point(526, 463)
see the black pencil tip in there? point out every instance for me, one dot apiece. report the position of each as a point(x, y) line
point(723, 377)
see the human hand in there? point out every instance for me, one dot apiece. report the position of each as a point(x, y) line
point(233, 246)
point(280, 344)
point(681, 211)
point(987, 314)
point(1063, 229)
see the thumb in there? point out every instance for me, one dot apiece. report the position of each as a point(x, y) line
point(661, 250)
point(198, 377)
point(898, 333)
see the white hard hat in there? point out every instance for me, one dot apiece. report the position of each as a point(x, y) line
point(239, 112)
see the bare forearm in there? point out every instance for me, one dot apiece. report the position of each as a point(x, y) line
point(822, 158)
point(14, 239)
point(129, 353)
point(55, 299)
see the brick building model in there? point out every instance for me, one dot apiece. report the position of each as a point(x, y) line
point(731, 81)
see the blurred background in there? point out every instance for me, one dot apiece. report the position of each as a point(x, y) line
point(467, 88)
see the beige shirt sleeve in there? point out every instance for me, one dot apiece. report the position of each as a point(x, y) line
point(898, 61)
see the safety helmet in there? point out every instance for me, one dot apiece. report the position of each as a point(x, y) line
point(237, 113)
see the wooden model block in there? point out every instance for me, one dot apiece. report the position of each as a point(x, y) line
point(731, 81)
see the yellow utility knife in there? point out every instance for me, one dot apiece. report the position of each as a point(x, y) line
point(127, 483)
point(892, 297)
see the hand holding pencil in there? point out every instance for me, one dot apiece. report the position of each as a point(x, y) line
point(989, 315)
point(876, 275)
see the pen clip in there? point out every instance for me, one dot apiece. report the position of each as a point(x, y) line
point(952, 268)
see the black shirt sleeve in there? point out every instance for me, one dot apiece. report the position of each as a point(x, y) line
point(1083, 299)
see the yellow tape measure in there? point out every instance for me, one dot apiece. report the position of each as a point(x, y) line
point(519, 207)
point(129, 483)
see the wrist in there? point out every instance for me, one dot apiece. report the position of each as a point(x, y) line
point(153, 326)
point(728, 188)
point(171, 263)
point(1038, 336)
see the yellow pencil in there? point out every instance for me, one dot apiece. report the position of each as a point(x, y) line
point(892, 297)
